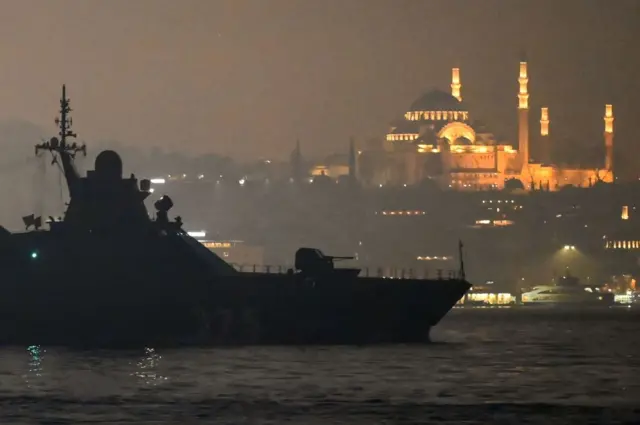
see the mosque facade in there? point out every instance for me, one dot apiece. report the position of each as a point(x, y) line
point(437, 141)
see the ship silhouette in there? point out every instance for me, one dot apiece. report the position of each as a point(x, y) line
point(109, 275)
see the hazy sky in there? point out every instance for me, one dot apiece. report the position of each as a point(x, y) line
point(248, 77)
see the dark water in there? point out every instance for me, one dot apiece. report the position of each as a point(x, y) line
point(488, 366)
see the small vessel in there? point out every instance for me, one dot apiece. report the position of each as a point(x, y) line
point(568, 291)
point(109, 275)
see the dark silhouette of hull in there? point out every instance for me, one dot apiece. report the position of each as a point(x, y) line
point(127, 290)
point(108, 275)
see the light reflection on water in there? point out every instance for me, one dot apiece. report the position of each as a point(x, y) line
point(35, 371)
point(571, 363)
point(147, 368)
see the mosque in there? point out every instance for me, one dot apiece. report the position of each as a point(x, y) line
point(437, 140)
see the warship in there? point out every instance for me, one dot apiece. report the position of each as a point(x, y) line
point(109, 274)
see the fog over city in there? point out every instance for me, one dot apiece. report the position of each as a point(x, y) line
point(269, 210)
point(246, 79)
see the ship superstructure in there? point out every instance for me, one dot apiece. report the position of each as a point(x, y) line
point(107, 274)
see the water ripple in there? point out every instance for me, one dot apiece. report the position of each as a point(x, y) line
point(485, 369)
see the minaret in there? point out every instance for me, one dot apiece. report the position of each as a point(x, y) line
point(296, 163)
point(523, 116)
point(608, 138)
point(545, 147)
point(455, 84)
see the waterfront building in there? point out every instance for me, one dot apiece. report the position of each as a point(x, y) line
point(437, 139)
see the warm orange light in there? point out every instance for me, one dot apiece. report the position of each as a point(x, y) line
point(502, 222)
point(544, 122)
point(608, 119)
point(625, 213)
point(523, 70)
point(455, 84)
point(211, 245)
point(523, 94)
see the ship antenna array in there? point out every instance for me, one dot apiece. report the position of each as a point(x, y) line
point(64, 123)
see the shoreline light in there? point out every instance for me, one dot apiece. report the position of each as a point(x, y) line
point(197, 234)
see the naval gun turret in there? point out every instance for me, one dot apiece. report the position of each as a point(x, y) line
point(312, 262)
point(108, 275)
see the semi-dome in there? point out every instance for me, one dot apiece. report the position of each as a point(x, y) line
point(437, 100)
point(463, 141)
point(404, 127)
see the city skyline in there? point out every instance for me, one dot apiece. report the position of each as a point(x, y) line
point(220, 77)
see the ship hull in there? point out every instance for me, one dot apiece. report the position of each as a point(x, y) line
point(334, 311)
point(240, 310)
point(164, 289)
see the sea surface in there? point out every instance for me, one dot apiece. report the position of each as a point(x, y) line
point(485, 366)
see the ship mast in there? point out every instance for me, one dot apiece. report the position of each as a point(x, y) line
point(66, 151)
point(461, 272)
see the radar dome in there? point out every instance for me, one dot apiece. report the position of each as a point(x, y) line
point(108, 164)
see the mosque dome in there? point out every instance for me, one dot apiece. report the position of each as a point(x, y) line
point(403, 131)
point(405, 127)
point(437, 100)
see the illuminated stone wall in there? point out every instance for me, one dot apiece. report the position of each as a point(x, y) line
point(437, 129)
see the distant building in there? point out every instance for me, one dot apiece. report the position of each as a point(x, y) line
point(334, 167)
point(436, 140)
point(236, 252)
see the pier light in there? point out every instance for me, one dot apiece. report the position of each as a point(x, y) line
point(34, 254)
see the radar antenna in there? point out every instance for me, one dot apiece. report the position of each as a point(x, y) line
point(64, 123)
point(66, 151)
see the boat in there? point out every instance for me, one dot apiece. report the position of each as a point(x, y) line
point(109, 274)
point(568, 291)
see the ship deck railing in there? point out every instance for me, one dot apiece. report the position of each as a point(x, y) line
point(377, 272)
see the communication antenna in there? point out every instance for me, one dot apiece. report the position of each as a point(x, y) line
point(61, 149)
point(64, 123)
